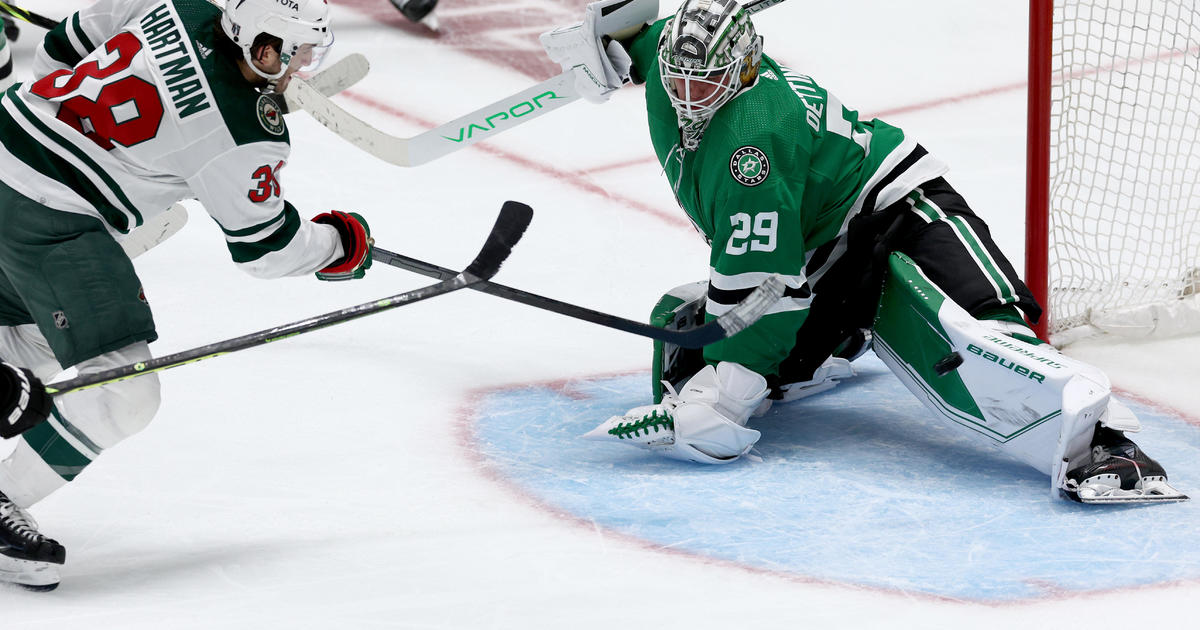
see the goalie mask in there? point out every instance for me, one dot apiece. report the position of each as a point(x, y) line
point(303, 25)
point(708, 52)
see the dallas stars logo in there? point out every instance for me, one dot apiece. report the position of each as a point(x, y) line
point(749, 166)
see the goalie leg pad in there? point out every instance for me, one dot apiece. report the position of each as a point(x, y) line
point(704, 422)
point(1027, 400)
point(681, 308)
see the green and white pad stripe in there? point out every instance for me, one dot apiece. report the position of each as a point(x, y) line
point(929, 212)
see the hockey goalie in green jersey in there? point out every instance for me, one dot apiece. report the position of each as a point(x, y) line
point(134, 105)
point(877, 249)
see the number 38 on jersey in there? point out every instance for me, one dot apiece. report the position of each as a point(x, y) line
point(124, 111)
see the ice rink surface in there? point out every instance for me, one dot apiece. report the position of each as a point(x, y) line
point(372, 476)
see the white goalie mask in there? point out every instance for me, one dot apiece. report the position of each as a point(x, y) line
point(303, 25)
point(708, 52)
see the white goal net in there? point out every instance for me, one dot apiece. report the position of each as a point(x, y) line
point(1124, 216)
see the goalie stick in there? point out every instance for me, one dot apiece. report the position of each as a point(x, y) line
point(510, 225)
point(741, 316)
point(481, 124)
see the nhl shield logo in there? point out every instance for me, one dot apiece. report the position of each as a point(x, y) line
point(269, 115)
point(60, 320)
point(749, 166)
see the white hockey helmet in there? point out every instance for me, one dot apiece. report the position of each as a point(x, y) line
point(303, 25)
point(708, 52)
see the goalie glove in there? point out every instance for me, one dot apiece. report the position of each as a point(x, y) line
point(23, 400)
point(601, 65)
point(357, 243)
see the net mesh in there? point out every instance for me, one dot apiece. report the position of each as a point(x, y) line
point(1125, 163)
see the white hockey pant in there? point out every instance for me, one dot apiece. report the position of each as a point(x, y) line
point(1029, 401)
point(82, 424)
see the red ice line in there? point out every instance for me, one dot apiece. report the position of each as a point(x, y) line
point(472, 32)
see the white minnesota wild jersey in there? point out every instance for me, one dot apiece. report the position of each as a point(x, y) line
point(133, 108)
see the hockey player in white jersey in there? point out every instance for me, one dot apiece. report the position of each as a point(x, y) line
point(135, 104)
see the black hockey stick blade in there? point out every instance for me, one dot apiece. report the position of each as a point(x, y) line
point(27, 16)
point(510, 225)
point(741, 316)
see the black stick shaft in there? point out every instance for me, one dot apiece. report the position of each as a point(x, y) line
point(27, 16)
point(510, 225)
point(694, 338)
point(259, 338)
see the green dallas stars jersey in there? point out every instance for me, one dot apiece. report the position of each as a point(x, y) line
point(133, 108)
point(777, 176)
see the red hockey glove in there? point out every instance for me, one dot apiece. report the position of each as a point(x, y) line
point(23, 400)
point(356, 243)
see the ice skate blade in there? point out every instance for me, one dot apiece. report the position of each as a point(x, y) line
point(1157, 492)
point(27, 574)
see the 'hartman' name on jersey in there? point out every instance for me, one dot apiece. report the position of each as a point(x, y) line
point(165, 35)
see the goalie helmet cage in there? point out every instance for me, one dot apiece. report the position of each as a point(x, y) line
point(1113, 167)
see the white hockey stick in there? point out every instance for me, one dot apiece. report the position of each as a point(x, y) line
point(337, 77)
point(155, 230)
point(480, 124)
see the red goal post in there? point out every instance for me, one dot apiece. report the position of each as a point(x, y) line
point(1113, 167)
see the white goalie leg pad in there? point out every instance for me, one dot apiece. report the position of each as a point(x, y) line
point(1027, 400)
point(1115, 415)
point(705, 422)
point(710, 420)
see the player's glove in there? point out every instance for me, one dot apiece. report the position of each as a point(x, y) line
point(356, 243)
point(23, 400)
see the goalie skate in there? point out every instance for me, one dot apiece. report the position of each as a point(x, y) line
point(1119, 472)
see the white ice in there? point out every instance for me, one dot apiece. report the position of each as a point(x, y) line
point(322, 482)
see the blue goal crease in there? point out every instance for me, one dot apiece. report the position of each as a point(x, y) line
point(859, 485)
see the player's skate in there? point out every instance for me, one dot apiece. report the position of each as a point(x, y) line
point(1119, 472)
point(27, 558)
point(419, 11)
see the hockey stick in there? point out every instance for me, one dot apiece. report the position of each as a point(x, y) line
point(27, 16)
point(329, 81)
point(481, 124)
point(744, 314)
point(155, 230)
point(510, 225)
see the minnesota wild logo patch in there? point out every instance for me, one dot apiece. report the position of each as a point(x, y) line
point(269, 115)
point(749, 166)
